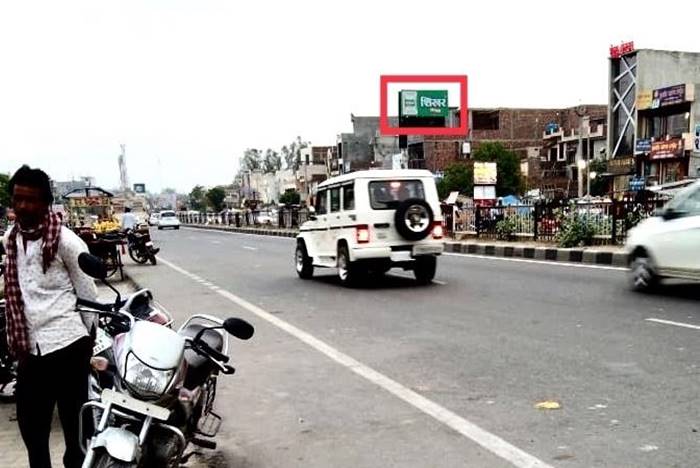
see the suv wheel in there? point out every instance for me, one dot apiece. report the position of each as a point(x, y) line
point(424, 269)
point(642, 274)
point(347, 270)
point(303, 263)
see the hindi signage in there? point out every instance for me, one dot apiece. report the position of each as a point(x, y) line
point(643, 145)
point(423, 103)
point(668, 96)
point(485, 173)
point(622, 49)
point(667, 149)
point(621, 166)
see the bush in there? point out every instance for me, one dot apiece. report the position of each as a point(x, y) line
point(575, 230)
point(505, 229)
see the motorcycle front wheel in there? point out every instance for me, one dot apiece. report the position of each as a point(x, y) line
point(137, 257)
point(105, 460)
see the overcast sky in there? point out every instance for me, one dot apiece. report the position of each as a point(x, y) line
point(188, 85)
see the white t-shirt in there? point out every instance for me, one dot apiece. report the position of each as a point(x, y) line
point(129, 221)
point(50, 298)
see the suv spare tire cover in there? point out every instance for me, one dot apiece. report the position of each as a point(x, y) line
point(413, 219)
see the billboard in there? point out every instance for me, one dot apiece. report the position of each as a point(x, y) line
point(423, 103)
point(667, 149)
point(139, 188)
point(668, 96)
point(485, 173)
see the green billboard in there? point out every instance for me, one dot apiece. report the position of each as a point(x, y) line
point(423, 103)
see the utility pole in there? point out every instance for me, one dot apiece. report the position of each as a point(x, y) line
point(580, 164)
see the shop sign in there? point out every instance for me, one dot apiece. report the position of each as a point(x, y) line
point(621, 166)
point(644, 98)
point(423, 103)
point(637, 184)
point(668, 96)
point(643, 145)
point(485, 173)
point(622, 49)
point(139, 188)
point(484, 192)
point(667, 149)
point(696, 139)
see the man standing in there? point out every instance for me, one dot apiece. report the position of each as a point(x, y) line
point(49, 338)
point(129, 220)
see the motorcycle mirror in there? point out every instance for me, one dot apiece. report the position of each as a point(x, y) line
point(92, 266)
point(239, 328)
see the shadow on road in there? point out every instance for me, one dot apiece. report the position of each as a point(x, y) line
point(388, 281)
point(689, 291)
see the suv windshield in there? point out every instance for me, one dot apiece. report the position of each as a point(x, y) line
point(388, 194)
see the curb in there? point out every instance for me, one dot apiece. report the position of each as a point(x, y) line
point(255, 231)
point(551, 254)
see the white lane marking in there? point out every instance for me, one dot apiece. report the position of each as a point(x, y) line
point(539, 262)
point(399, 275)
point(250, 248)
point(677, 324)
point(489, 441)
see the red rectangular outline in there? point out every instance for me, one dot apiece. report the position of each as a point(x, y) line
point(385, 129)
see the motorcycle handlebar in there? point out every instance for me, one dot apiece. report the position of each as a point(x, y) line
point(213, 353)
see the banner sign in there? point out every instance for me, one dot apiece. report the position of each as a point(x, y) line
point(643, 145)
point(644, 98)
point(139, 188)
point(668, 96)
point(423, 103)
point(622, 49)
point(667, 149)
point(621, 166)
point(485, 173)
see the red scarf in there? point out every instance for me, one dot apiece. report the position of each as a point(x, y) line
point(17, 334)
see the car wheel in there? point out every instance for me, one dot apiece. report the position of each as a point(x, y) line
point(424, 269)
point(347, 270)
point(643, 277)
point(303, 263)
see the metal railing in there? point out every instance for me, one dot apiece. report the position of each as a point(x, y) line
point(285, 218)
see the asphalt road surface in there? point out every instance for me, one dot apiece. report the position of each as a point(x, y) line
point(448, 375)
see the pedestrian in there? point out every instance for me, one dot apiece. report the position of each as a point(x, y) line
point(51, 341)
point(129, 220)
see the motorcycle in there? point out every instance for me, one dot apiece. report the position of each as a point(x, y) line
point(162, 396)
point(140, 245)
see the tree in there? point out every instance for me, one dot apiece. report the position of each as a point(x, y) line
point(292, 153)
point(216, 197)
point(4, 193)
point(509, 179)
point(458, 178)
point(290, 197)
point(251, 160)
point(197, 199)
point(599, 185)
point(272, 161)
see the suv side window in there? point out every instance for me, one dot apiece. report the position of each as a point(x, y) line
point(321, 202)
point(348, 197)
point(335, 199)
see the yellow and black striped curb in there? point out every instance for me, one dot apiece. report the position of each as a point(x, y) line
point(261, 231)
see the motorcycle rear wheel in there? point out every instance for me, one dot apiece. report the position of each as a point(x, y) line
point(105, 460)
point(133, 253)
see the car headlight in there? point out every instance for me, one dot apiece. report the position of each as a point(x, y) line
point(145, 381)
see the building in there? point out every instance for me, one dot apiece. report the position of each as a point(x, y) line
point(653, 117)
point(365, 148)
point(313, 168)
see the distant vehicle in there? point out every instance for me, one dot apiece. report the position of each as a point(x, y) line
point(264, 217)
point(168, 219)
point(372, 221)
point(667, 245)
point(153, 219)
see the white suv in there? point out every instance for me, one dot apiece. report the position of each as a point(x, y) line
point(667, 245)
point(368, 222)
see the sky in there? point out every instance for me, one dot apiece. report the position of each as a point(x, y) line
point(187, 86)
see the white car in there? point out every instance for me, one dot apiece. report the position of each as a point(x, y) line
point(668, 245)
point(368, 222)
point(168, 219)
point(153, 219)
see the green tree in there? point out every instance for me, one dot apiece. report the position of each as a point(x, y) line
point(251, 160)
point(272, 162)
point(4, 193)
point(290, 197)
point(197, 198)
point(292, 153)
point(458, 178)
point(216, 197)
point(509, 181)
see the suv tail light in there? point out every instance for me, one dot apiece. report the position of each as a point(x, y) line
point(438, 230)
point(362, 234)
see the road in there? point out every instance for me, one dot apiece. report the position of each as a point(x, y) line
point(448, 375)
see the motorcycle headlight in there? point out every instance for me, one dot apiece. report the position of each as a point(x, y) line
point(145, 381)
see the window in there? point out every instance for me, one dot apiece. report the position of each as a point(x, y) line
point(335, 200)
point(486, 120)
point(348, 197)
point(322, 202)
point(387, 195)
point(677, 124)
